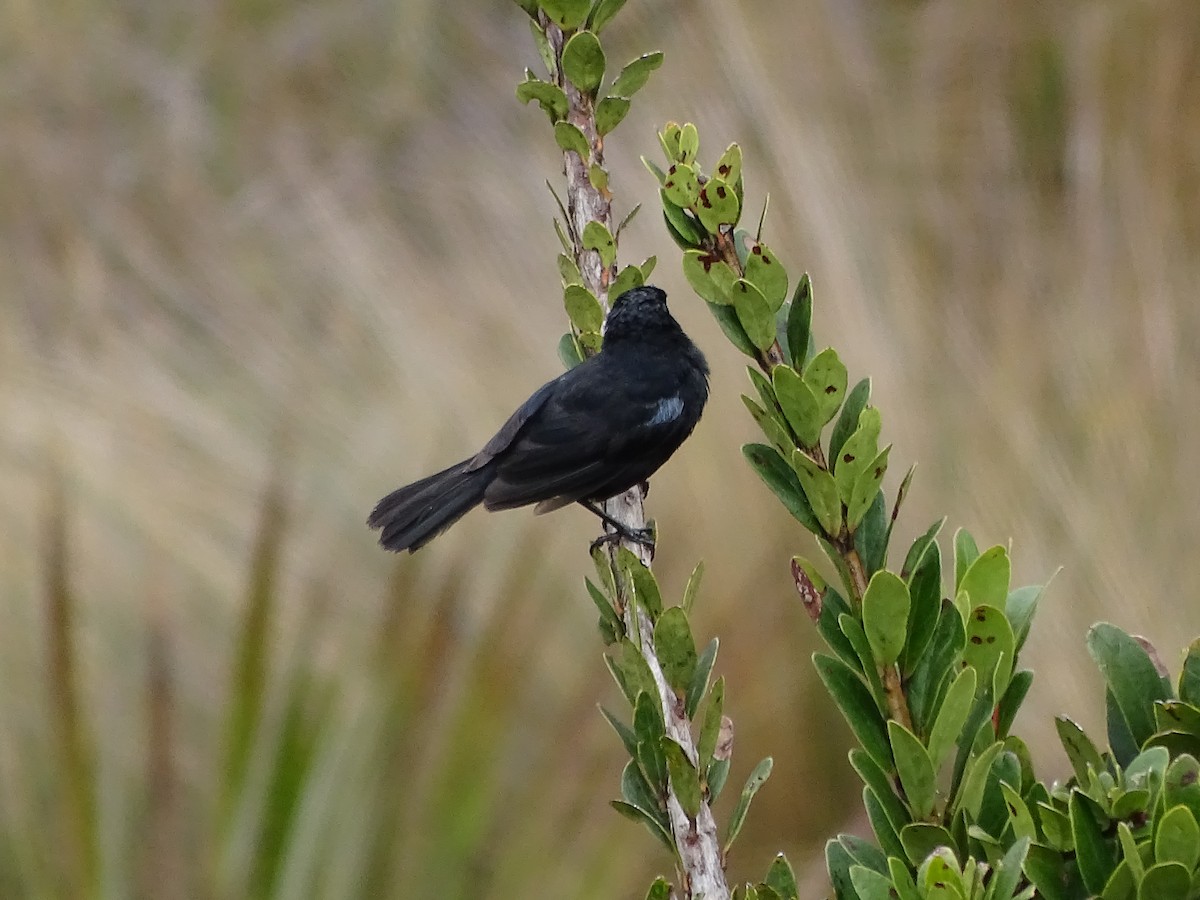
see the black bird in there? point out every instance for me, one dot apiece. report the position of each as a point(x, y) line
point(592, 433)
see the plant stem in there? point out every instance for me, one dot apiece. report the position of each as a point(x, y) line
point(697, 846)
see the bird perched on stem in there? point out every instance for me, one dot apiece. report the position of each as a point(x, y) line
point(592, 433)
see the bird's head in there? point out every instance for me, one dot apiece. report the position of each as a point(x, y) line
point(639, 313)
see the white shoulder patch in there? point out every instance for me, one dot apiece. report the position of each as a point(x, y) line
point(668, 410)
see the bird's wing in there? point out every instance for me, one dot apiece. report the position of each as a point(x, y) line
point(592, 438)
point(503, 438)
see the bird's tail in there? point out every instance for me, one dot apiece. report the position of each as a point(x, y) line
point(412, 516)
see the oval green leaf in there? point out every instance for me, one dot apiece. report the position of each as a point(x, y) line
point(885, 616)
point(676, 649)
point(610, 112)
point(915, 770)
point(754, 313)
point(583, 61)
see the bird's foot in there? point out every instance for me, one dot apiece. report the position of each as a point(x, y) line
point(641, 536)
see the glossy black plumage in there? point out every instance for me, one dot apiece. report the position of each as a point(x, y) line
point(592, 433)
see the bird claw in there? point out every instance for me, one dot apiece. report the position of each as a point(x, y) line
point(641, 536)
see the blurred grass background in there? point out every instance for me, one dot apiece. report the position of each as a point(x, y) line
point(264, 261)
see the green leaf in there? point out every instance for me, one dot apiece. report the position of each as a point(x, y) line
point(989, 647)
point(838, 861)
point(631, 672)
point(568, 351)
point(885, 616)
point(870, 885)
point(680, 185)
point(685, 779)
point(568, 270)
point(1092, 853)
point(1132, 860)
point(881, 787)
point(583, 61)
point(858, 707)
point(710, 277)
point(766, 272)
point(854, 633)
point(864, 852)
point(781, 879)
point(1007, 873)
point(597, 237)
point(545, 51)
point(635, 75)
point(1166, 881)
point(637, 791)
point(782, 479)
point(729, 169)
point(932, 669)
point(583, 309)
point(866, 488)
point(644, 584)
point(799, 405)
point(608, 615)
point(920, 547)
point(914, 768)
point(676, 649)
point(902, 880)
point(1189, 678)
point(821, 491)
point(661, 888)
point(1081, 752)
point(925, 592)
point(965, 553)
point(624, 732)
point(1019, 817)
point(1178, 838)
point(603, 12)
point(718, 205)
point(692, 590)
point(986, 579)
point(860, 449)
point(847, 422)
point(681, 225)
point(825, 375)
point(799, 321)
point(570, 137)
point(590, 341)
point(656, 828)
point(778, 433)
point(627, 279)
point(648, 726)
point(1010, 703)
point(832, 608)
point(567, 14)
point(754, 313)
point(975, 780)
point(699, 683)
point(921, 838)
point(718, 772)
point(1131, 676)
point(886, 833)
point(669, 138)
point(756, 780)
point(1181, 787)
point(711, 729)
point(952, 716)
point(689, 143)
point(610, 112)
point(1047, 870)
point(549, 96)
point(1022, 603)
point(871, 536)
